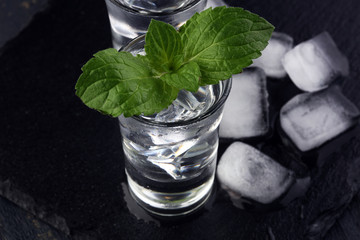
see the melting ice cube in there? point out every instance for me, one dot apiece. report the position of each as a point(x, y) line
point(246, 172)
point(246, 109)
point(314, 64)
point(270, 60)
point(310, 119)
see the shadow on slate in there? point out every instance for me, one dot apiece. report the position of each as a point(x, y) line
point(67, 159)
point(17, 224)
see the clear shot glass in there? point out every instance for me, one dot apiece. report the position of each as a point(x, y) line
point(131, 18)
point(170, 157)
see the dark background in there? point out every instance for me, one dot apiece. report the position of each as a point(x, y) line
point(61, 168)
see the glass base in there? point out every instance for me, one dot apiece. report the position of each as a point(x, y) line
point(170, 204)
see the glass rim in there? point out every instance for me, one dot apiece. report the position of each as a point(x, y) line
point(156, 14)
point(134, 41)
point(225, 91)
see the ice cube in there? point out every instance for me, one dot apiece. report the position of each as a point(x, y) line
point(246, 109)
point(187, 105)
point(215, 3)
point(270, 60)
point(170, 158)
point(316, 63)
point(310, 119)
point(244, 171)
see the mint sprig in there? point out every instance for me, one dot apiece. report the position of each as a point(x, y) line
point(210, 47)
point(223, 41)
point(118, 83)
point(163, 46)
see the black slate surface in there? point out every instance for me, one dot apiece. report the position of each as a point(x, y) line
point(18, 224)
point(63, 162)
point(15, 15)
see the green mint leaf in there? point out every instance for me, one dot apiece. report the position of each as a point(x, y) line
point(118, 83)
point(187, 77)
point(164, 50)
point(163, 46)
point(223, 41)
point(210, 47)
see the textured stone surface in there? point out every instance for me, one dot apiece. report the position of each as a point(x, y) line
point(15, 15)
point(17, 224)
point(68, 158)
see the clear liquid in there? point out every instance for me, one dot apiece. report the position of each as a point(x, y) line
point(172, 177)
point(129, 19)
point(156, 6)
point(171, 170)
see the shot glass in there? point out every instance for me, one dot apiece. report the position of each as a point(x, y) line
point(131, 18)
point(170, 157)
